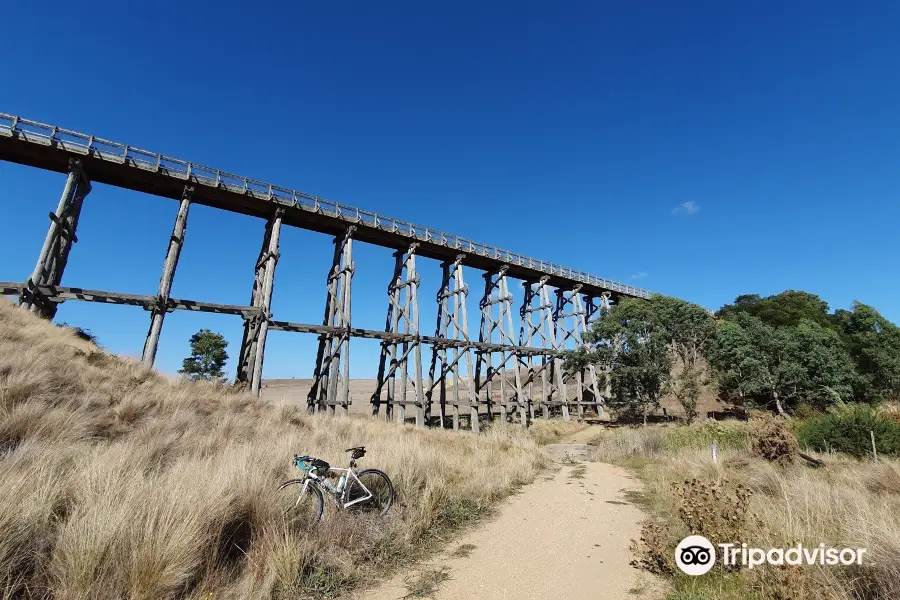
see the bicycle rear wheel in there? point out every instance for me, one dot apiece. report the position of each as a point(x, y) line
point(377, 484)
point(302, 508)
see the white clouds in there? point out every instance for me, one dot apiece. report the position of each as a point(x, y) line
point(686, 208)
point(639, 275)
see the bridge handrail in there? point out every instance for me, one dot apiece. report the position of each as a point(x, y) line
point(88, 145)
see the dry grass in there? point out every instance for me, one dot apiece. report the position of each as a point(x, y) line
point(548, 431)
point(846, 504)
point(118, 482)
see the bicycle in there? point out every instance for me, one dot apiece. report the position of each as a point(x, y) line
point(369, 491)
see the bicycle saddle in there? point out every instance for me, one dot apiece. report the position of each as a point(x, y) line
point(358, 452)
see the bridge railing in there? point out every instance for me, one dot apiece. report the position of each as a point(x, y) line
point(88, 145)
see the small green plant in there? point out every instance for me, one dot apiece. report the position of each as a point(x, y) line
point(578, 471)
point(425, 584)
point(848, 430)
point(463, 551)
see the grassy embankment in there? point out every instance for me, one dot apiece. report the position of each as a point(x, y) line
point(118, 482)
point(848, 503)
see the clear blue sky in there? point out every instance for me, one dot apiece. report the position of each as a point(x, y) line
point(699, 149)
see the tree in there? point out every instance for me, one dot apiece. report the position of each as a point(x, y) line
point(786, 308)
point(637, 343)
point(629, 347)
point(736, 357)
point(781, 365)
point(690, 329)
point(207, 357)
point(874, 344)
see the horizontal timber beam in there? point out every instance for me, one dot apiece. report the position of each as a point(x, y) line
point(61, 294)
point(399, 337)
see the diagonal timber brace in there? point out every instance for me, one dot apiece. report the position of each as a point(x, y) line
point(335, 343)
point(55, 252)
point(497, 324)
point(402, 320)
point(452, 324)
point(256, 325)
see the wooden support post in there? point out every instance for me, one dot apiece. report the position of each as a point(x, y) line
point(439, 351)
point(464, 331)
point(556, 375)
point(421, 409)
point(537, 329)
point(507, 335)
point(496, 293)
point(55, 252)
point(250, 361)
point(274, 233)
point(403, 321)
point(335, 343)
point(390, 325)
point(587, 377)
point(158, 312)
point(453, 324)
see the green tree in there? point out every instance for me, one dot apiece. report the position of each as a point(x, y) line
point(628, 345)
point(207, 357)
point(736, 357)
point(636, 345)
point(781, 365)
point(786, 308)
point(690, 329)
point(874, 344)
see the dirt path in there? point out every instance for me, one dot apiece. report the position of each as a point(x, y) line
point(565, 536)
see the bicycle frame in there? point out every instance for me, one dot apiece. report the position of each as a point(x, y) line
point(339, 499)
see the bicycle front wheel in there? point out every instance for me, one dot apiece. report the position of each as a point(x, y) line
point(376, 488)
point(303, 507)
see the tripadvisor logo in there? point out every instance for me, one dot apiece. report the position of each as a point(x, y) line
point(696, 555)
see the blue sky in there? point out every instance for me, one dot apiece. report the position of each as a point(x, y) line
point(699, 149)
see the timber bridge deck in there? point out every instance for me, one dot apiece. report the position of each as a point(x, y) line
point(558, 301)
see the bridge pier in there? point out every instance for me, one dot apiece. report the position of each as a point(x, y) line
point(55, 252)
point(496, 293)
point(335, 342)
point(403, 323)
point(571, 324)
point(452, 326)
point(159, 310)
point(536, 328)
point(256, 325)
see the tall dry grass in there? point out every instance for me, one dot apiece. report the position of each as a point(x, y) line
point(118, 482)
point(848, 503)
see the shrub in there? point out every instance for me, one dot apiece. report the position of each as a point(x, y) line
point(731, 435)
point(654, 552)
point(847, 430)
point(714, 509)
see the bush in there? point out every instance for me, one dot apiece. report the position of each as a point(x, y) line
point(731, 435)
point(847, 430)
